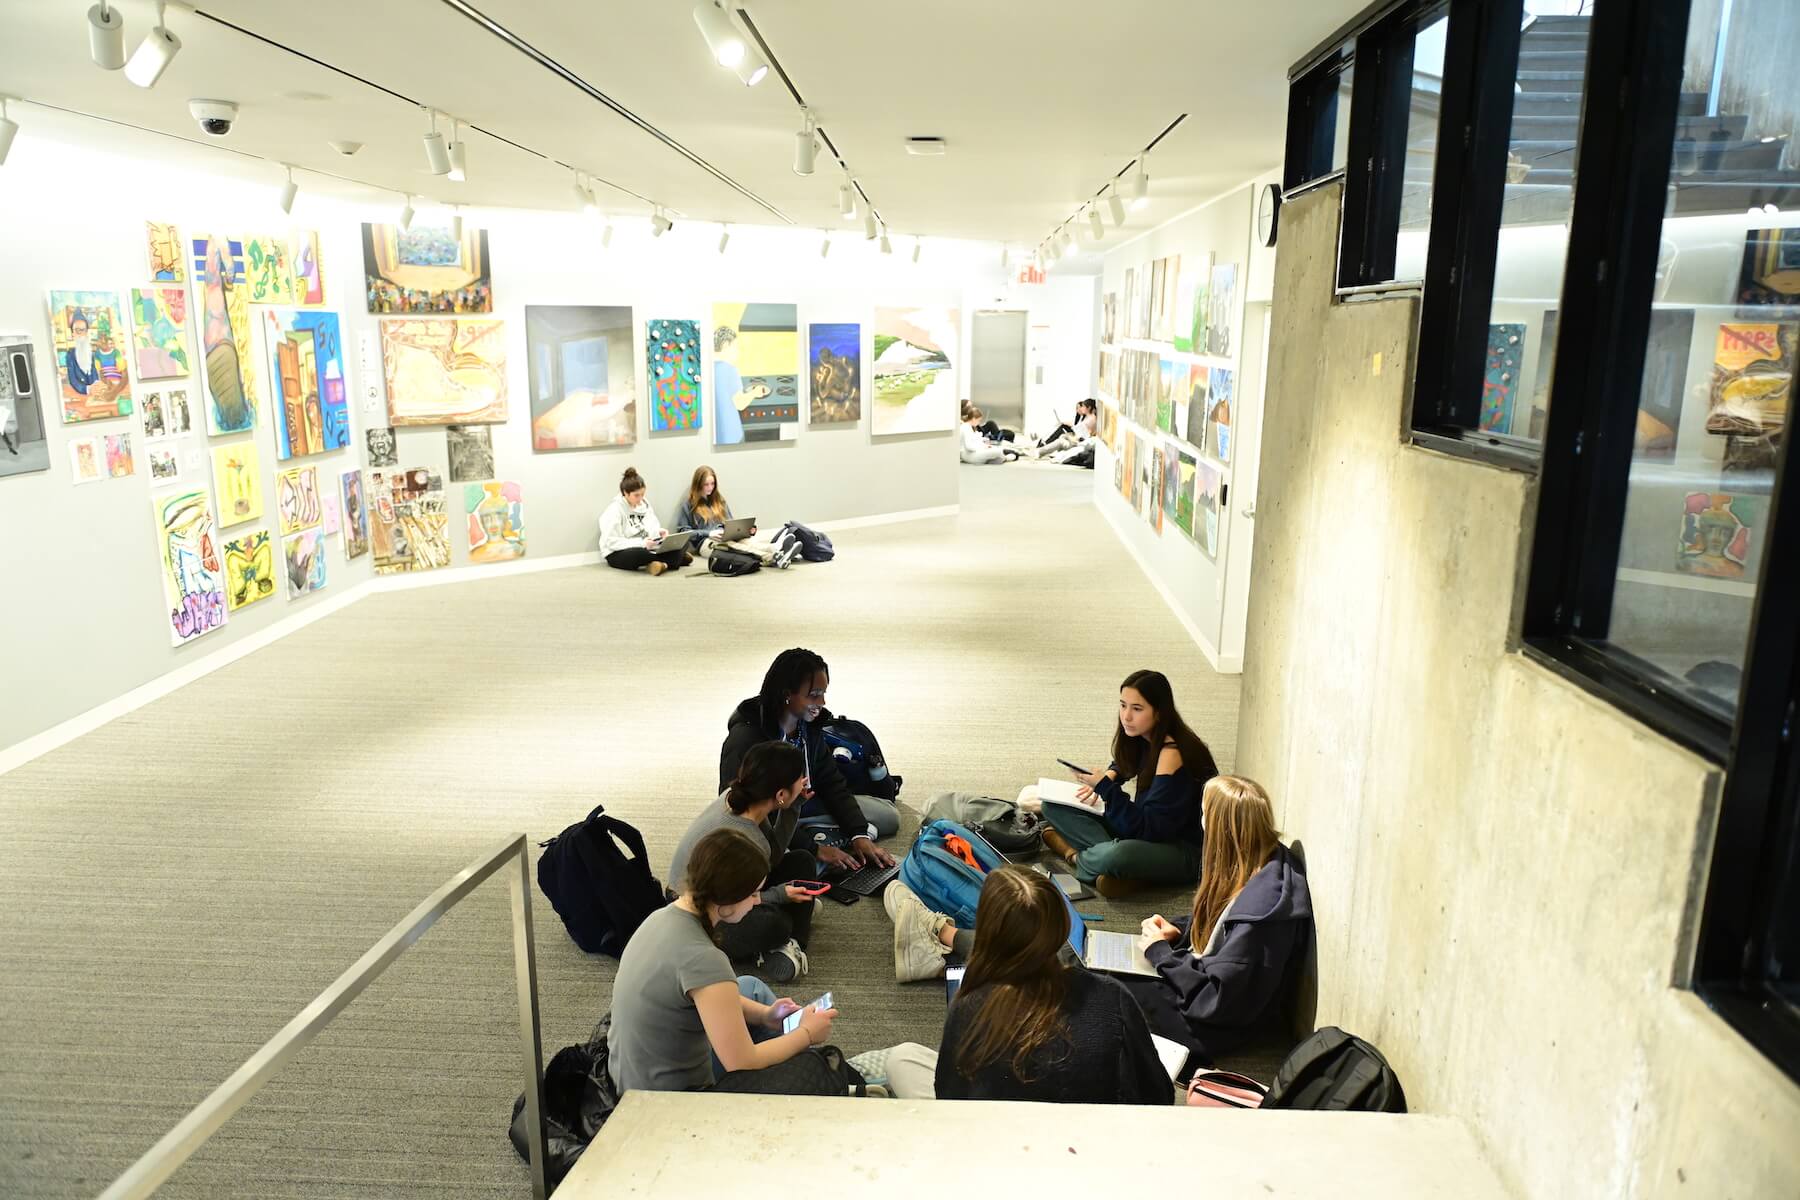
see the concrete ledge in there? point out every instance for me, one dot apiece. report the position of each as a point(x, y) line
point(677, 1144)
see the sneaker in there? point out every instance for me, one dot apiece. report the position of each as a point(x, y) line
point(874, 1091)
point(657, 568)
point(784, 963)
point(1114, 888)
point(1059, 846)
point(784, 557)
point(872, 1066)
point(917, 952)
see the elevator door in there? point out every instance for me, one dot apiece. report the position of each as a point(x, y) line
point(997, 367)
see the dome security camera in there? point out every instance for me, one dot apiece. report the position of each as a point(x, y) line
point(215, 117)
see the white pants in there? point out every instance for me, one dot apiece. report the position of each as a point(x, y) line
point(763, 544)
point(912, 1072)
point(984, 456)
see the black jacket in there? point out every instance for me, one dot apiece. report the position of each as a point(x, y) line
point(746, 728)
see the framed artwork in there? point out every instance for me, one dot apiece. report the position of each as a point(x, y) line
point(583, 377)
point(309, 277)
point(356, 514)
point(834, 359)
point(24, 439)
point(383, 449)
point(249, 569)
point(1198, 406)
point(915, 369)
point(445, 371)
point(672, 363)
point(268, 272)
point(1771, 270)
point(162, 251)
point(93, 366)
point(233, 251)
point(87, 459)
point(426, 269)
point(306, 381)
point(1218, 414)
point(193, 575)
point(756, 380)
point(162, 464)
point(159, 330)
point(496, 521)
point(1221, 310)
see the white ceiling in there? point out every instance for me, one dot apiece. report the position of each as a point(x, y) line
point(1040, 103)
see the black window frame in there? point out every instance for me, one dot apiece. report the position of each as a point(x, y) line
point(1313, 98)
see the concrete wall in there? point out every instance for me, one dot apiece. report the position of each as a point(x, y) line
point(1504, 869)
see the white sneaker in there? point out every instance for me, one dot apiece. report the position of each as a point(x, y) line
point(917, 952)
point(784, 963)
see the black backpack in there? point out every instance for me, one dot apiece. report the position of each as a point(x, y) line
point(859, 760)
point(578, 1097)
point(814, 546)
point(726, 561)
point(601, 894)
point(1333, 1070)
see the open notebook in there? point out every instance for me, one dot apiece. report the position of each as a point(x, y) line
point(1062, 791)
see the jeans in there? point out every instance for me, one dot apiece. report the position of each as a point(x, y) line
point(757, 990)
point(769, 925)
point(1121, 858)
point(636, 558)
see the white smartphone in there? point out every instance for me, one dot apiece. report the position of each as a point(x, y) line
point(792, 1020)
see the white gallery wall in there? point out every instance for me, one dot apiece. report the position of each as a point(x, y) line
point(82, 579)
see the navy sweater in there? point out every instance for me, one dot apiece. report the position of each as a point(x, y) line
point(1169, 812)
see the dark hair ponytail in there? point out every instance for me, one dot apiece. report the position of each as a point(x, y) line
point(766, 769)
point(725, 867)
point(631, 481)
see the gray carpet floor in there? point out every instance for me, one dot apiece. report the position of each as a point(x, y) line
point(177, 884)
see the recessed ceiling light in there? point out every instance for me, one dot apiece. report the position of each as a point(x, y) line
point(927, 147)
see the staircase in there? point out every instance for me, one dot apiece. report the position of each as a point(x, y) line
point(1719, 166)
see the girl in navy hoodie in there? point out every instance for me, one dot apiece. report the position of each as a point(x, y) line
point(1224, 970)
point(1129, 843)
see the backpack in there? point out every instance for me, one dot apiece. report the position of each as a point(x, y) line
point(578, 1097)
point(944, 882)
point(814, 546)
point(1333, 1070)
point(601, 894)
point(858, 756)
point(999, 821)
point(726, 561)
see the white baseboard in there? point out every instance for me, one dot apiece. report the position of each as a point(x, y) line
point(888, 518)
point(518, 566)
point(1233, 665)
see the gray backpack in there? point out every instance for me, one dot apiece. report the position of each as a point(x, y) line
point(1000, 822)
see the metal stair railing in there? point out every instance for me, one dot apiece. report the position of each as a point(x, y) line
point(175, 1147)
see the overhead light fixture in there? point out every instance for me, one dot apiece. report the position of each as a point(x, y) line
point(1140, 186)
point(724, 237)
point(722, 37)
point(456, 222)
point(289, 190)
point(806, 146)
point(606, 236)
point(437, 155)
point(869, 226)
point(1116, 207)
point(847, 200)
point(825, 246)
point(154, 53)
point(887, 247)
point(8, 127)
point(751, 68)
point(459, 157)
point(1095, 224)
point(1068, 239)
point(106, 36)
point(918, 244)
point(660, 224)
point(406, 213)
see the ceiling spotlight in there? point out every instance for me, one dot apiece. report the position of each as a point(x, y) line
point(1095, 225)
point(106, 36)
point(459, 157)
point(1116, 207)
point(847, 200)
point(918, 244)
point(584, 196)
point(289, 190)
point(806, 147)
point(887, 247)
point(1140, 187)
point(869, 226)
point(437, 155)
point(722, 37)
point(456, 223)
point(724, 237)
point(751, 68)
point(660, 224)
point(153, 54)
point(825, 246)
point(8, 127)
point(406, 213)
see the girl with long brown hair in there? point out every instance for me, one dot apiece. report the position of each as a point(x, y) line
point(1224, 971)
point(705, 511)
point(1153, 837)
point(1025, 1026)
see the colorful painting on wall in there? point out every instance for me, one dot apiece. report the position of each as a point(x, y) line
point(384, 449)
point(1753, 375)
point(445, 372)
point(303, 555)
point(1771, 270)
point(496, 519)
point(233, 250)
point(1500, 379)
point(1109, 318)
point(1165, 395)
point(328, 503)
point(238, 477)
point(193, 576)
point(159, 327)
point(119, 462)
point(1665, 382)
point(297, 499)
point(268, 273)
point(249, 569)
point(1715, 534)
point(309, 274)
point(1185, 467)
point(1198, 311)
point(835, 361)
point(1218, 415)
point(471, 452)
point(426, 269)
point(1209, 486)
point(582, 376)
point(88, 331)
point(672, 359)
point(162, 246)
point(228, 387)
point(915, 369)
point(163, 465)
point(24, 439)
point(1171, 486)
point(1199, 392)
point(306, 381)
point(408, 525)
point(356, 514)
point(756, 380)
point(87, 459)
point(1221, 303)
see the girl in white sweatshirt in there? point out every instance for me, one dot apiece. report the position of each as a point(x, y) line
point(631, 537)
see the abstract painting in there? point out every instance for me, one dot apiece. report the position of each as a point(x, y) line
point(1185, 467)
point(1221, 302)
point(1500, 378)
point(297, 499)
point(306, 381)
point(159, 327)
point(672, 359)
point(915, 369)
point(1209, 487)
point(1199, 392)
point(426, 269)
point(238, 477)
point(231, 409)
point(756, 379)
point(496, 519)
point(1753, 374)
point(356, 514)
point(1715, 534)
point(87, 459)
point(1771, 269)
point(1218, 415)
point(249, 569)
point(162, 247)
point(583, 377)
point(471, 450)
point(309, 277)
point(119, 462)
point(88, 331)
point(834, 359)
point(450, 371)
point(24, 440)
point(193, 576)
point(231, 248)
point(408, 525)
point(163, 465)
point(303, 555)
point(384, 451)
point(268, 274)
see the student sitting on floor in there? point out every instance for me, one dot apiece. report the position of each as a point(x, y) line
point(1066, 437)
point(791, 708)
point(1127, 843)
point(1226, 969)
point(762, 801)
point(680, 1019)
point(705, 511)
point(977, 450)
point(630, 537)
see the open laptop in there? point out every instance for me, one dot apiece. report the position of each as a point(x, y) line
point(1102, 950)
point(675, 541)
point(737, 529)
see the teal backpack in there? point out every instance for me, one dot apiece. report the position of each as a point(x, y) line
point(943, 882)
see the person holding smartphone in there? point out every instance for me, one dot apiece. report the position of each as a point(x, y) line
point(1127, 842)
point(680, 1019)
point(761, 800)
point(630, 536)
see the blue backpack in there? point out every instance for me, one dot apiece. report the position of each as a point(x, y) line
point(943, 882)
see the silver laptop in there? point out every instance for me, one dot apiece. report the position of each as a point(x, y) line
point(737, 529)
point(675, 541)
point(1102, 950)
